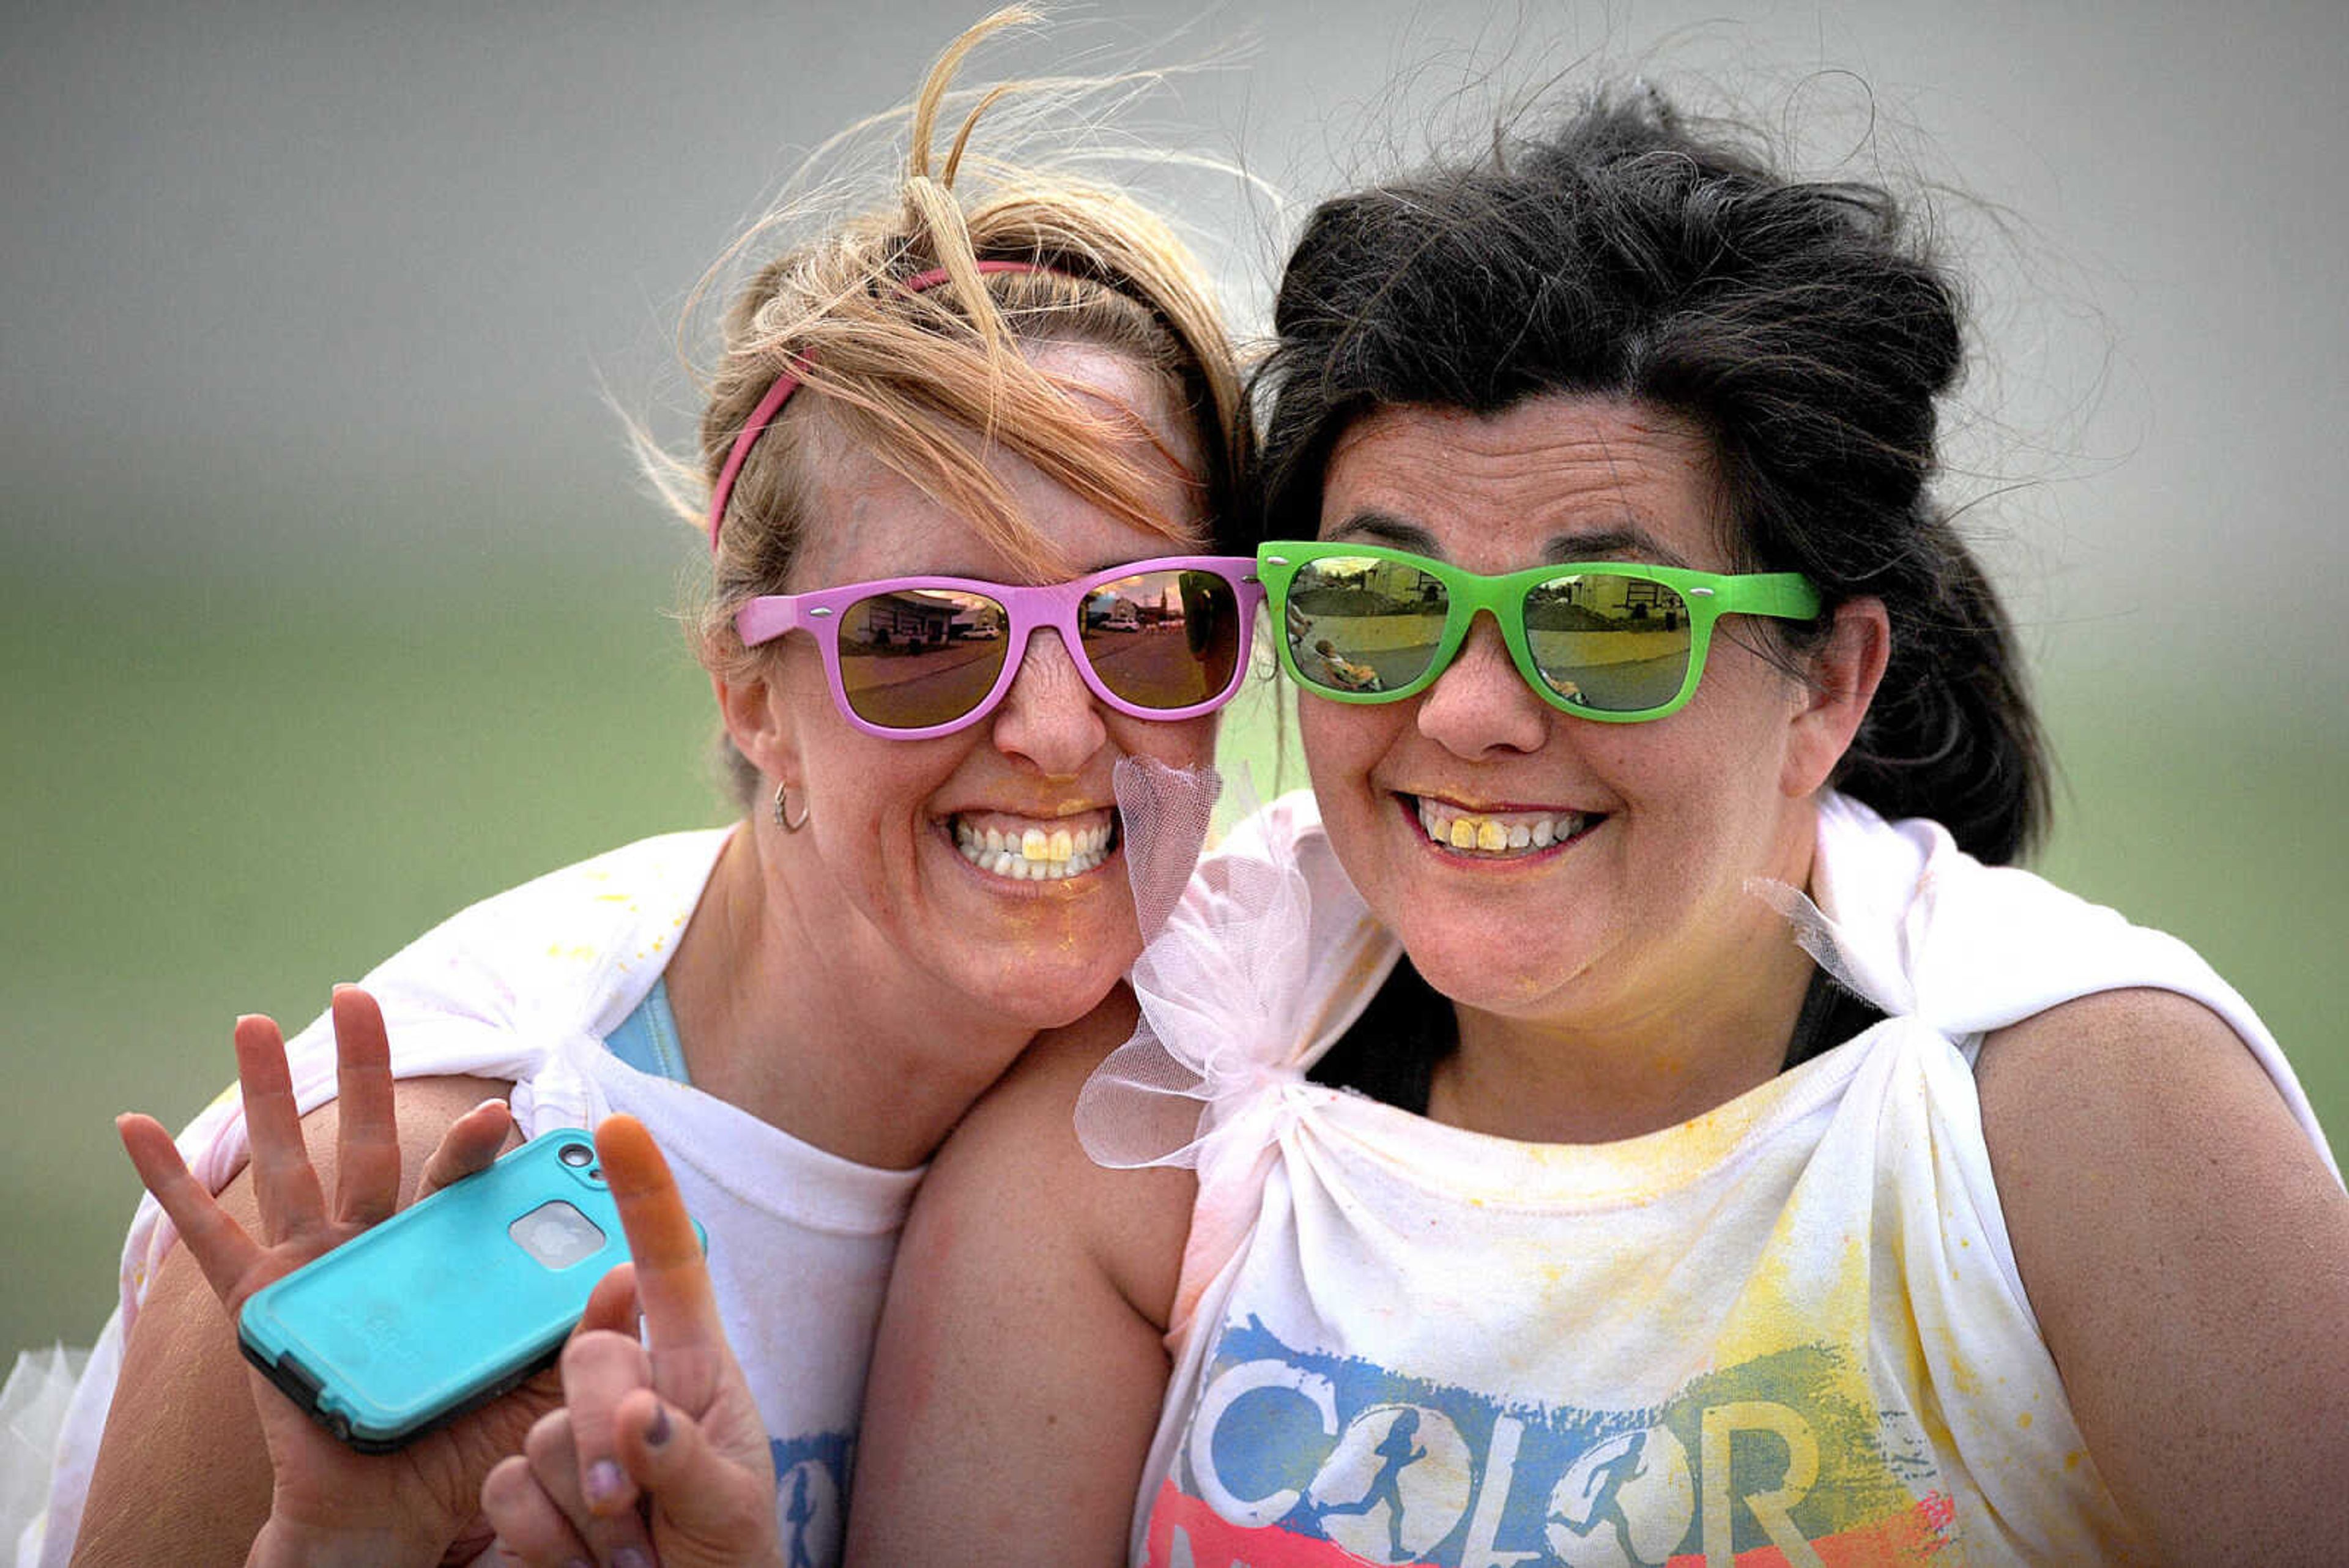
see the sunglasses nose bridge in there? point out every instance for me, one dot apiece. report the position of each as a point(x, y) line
point(1490, 612)
point(1072, 650)
point(1491, 615)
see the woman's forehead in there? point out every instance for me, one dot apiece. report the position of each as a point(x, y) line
point(1123, 390)
point(870, 520)
point(1528, 481)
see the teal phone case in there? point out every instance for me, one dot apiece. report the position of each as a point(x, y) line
point(448, 1303)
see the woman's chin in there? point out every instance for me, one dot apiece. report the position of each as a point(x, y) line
point(1045, 989)
point(1499, 977)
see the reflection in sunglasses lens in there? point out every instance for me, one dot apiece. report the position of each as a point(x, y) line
point(1362, 623)
point(917, 657)
point(1163, 640)
point(1612, 643)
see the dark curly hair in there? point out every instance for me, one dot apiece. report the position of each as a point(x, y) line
point(1630, 255)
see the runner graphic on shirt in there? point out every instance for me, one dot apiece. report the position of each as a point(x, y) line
point(1606, 1506)
point(811, 1495)
point(1624, 1502)
point(1397, 1450)
point(797, 1513)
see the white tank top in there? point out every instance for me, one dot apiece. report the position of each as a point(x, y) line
point(1791, 1327)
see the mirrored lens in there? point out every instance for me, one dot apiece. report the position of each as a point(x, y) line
point(917, 657)
point(1164, 639)
point(1609, 642)
point(1362, 623)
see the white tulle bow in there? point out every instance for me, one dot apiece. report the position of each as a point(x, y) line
point(1232, 986)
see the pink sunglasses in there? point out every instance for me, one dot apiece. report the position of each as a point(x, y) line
point(910, 657)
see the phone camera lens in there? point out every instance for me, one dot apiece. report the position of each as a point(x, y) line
point(575, 1155)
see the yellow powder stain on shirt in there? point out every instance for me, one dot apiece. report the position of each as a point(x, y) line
point(2023, 1420)
point(2072, 1461)
point(1781, 1306)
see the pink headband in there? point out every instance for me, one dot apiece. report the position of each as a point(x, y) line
point(788, 382)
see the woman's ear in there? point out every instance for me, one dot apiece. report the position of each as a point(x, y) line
point(759, 722)
point(1844, 672)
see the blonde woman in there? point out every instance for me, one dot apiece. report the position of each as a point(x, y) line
point(966, 463)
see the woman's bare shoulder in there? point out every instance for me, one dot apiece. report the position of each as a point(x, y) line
point(2185, 1249)
point(1016, 1159)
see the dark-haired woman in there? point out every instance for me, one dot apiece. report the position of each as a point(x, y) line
point(1632, 1112)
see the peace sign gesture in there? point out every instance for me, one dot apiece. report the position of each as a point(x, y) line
point(327, 1502)
point(658, 1449)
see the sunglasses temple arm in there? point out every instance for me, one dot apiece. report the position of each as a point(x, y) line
point(1784, 596)
point(767, 618)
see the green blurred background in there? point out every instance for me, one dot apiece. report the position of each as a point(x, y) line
point(328, 602)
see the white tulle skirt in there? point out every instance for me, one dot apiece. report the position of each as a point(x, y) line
point(31, 1415)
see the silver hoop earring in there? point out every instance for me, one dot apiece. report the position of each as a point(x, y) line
point(783, 817)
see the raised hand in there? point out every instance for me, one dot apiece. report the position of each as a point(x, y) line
point(328, 1502)
point(658, 1449)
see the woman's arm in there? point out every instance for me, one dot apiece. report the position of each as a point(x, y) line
point(184, 1473)
point(2187, 1254)
point(1019, 1368)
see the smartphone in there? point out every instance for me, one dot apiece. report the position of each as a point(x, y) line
point(448, 1303)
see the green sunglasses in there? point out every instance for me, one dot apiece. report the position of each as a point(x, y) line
point(1600, 640)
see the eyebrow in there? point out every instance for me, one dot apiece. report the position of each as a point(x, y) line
point(1624, 540)
point(1385, 529)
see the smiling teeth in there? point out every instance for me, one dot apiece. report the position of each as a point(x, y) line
point(1499, 832)
point(1035, 854)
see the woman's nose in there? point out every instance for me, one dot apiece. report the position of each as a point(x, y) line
point(1481, 703)
point(1050, 717)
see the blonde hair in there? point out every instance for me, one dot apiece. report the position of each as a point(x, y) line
point(907, 375)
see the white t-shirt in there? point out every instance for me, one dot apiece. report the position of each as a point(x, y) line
point(525, 986)
point(1794, 1323)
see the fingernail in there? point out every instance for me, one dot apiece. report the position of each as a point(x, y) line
point(604, 1481)
point(657, 1433)
point(629, 1557)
